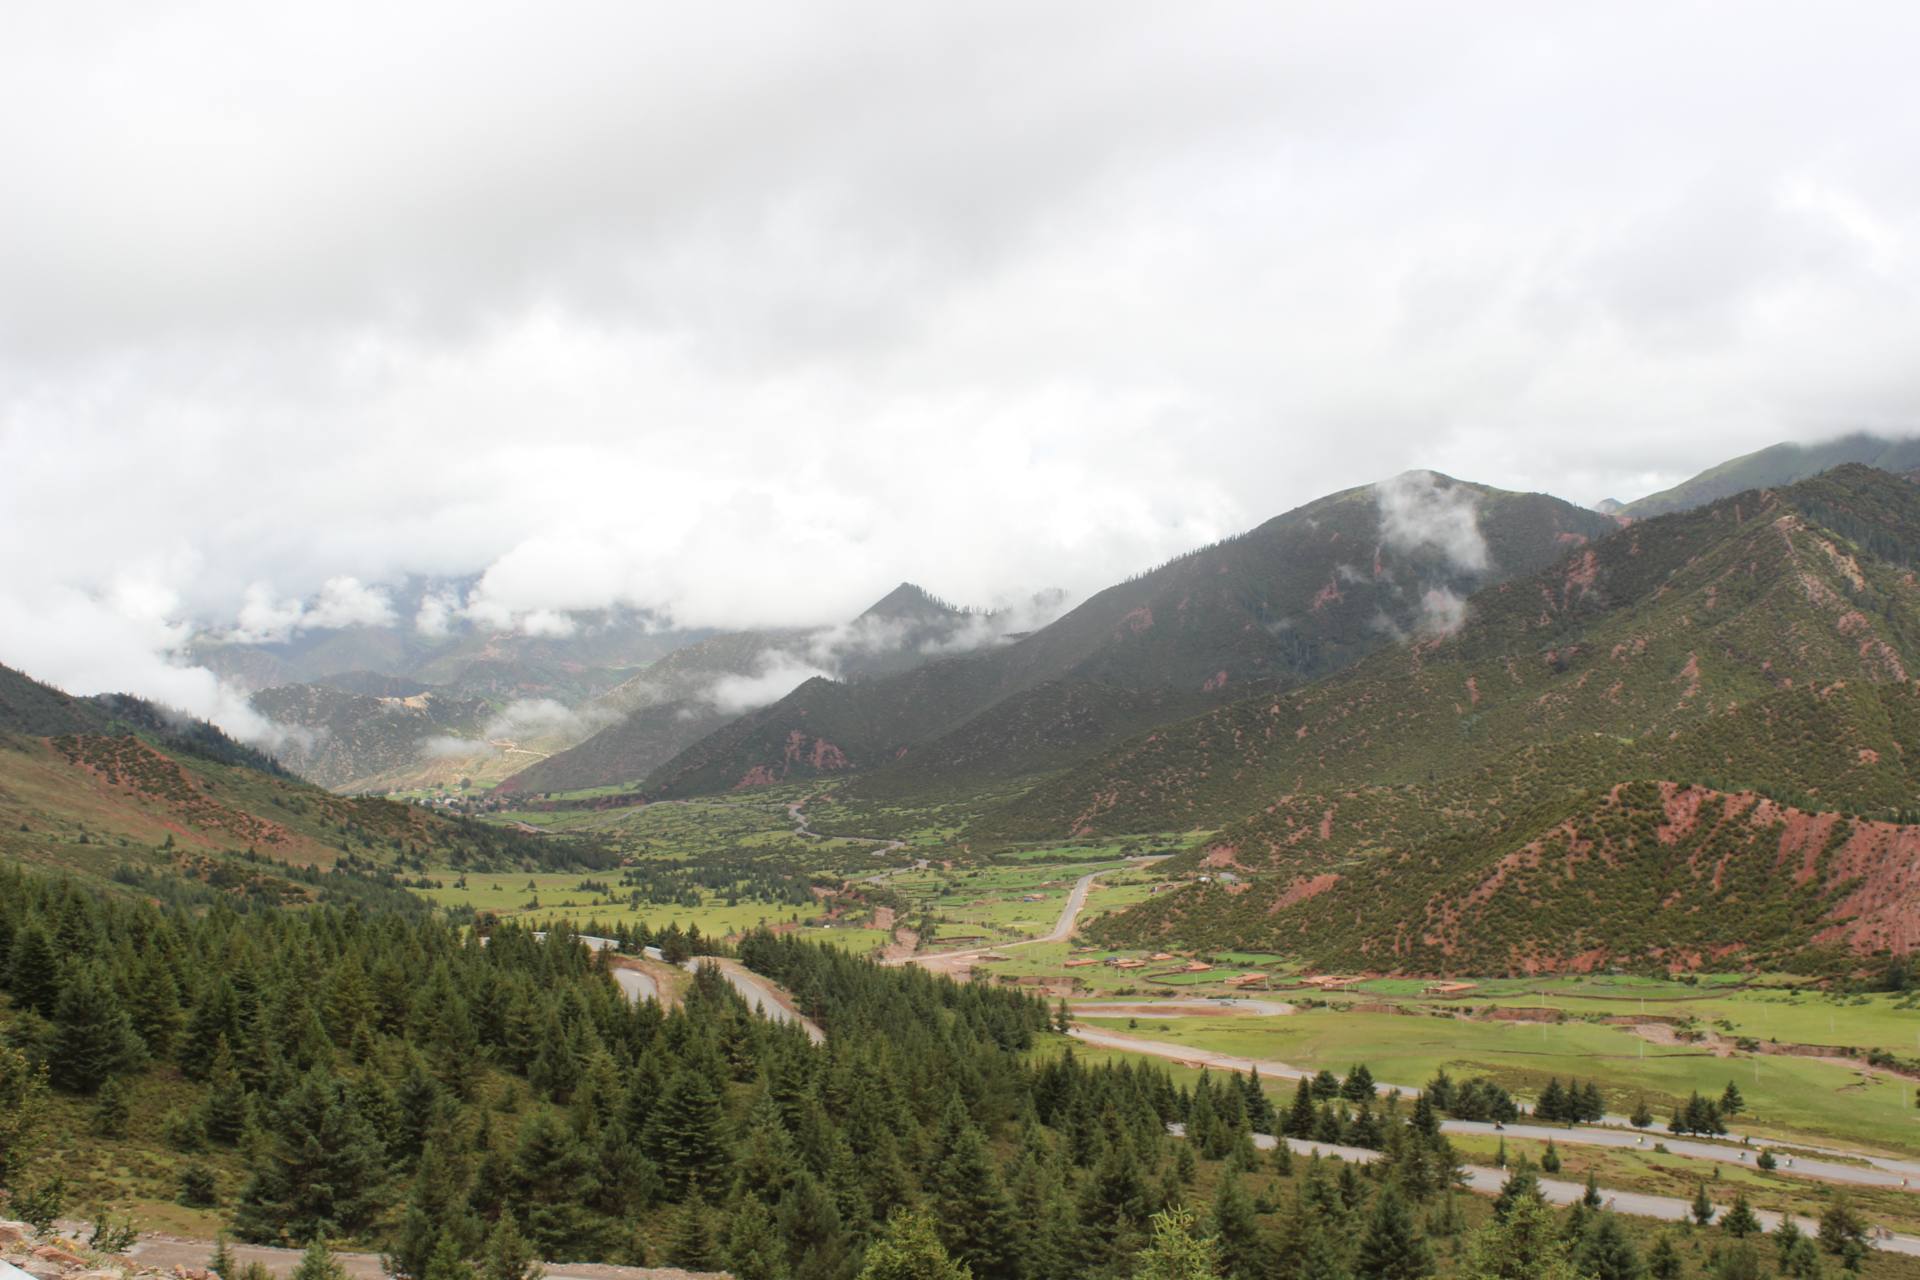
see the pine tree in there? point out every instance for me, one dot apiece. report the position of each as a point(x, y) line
point(1392, 1249)
point(221, 1263)
point(1550, 1158)
point(754, 1249)
point(692, 1246)
point(1740, 1221)
point(1236, 1232)
point(1842, 1231)
point(1522, 1185)
point(1525, 1244)
point(226, 1102)
point(976, 1219)
point(554, 1180)
point(1731, 1103)
point(23, 1105)
point(1553, 1102)
point(1175, 1252)
point(1358, 1086)
point(684, 1135)
point(157, 1016)
point(1642, 1114)
point(93, 1039)
point(318, 1262)
point(1300, 1116)
point(909, 1249)
point(325, 1173)
point(508, 1256)
point(33, 970)
point(1606, 1253)
point(113, 1109)
point(1663, 1261)
point(448, 1263)
point(1702, 1208)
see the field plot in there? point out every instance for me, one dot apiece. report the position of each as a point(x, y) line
point(1011, 902)
point(725, 865)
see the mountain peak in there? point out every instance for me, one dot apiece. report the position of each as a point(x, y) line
point(909, 600)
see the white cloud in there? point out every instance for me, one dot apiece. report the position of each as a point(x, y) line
point(543, 717)
point(611, 304)
point(1417, 511)
point(779, 673)
point(1441, 612)
point(342, 602)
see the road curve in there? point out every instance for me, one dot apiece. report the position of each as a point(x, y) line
point(638, 985)
point(761, 995)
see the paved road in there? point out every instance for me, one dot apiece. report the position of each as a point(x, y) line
point(637, 984)
point(760, 994)
point(1061, 931)
point(1489, 1181)
point(1588, 1136)
point(1878, 1172)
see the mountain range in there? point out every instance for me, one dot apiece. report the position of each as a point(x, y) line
point(1424, 725)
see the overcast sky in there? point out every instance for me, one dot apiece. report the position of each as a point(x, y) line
point(746, 312)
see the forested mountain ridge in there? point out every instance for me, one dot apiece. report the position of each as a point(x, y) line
point(1774, 467)
point(1760, 645)
point(1304, 594)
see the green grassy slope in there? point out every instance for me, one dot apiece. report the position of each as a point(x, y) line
point(1761, 644)
point(101, 786)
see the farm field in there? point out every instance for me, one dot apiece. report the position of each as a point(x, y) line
point(1787, 1097)
point(553, 897)
point(1011, 902)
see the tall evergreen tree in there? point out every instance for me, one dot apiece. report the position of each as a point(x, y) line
point(1244, 1254)
point(754, 1249)
point(1524, 1245)
point(684, 1134)
point(976, 1219)
point(93, 1038)
point(508, 1255)
point(1605, 1252)
point(324, 1175)
point(1392, 1248)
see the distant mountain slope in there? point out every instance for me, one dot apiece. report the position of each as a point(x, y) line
point(702, 688)
point(345, 739)
point(98, 785)
point(1759, 647)
point(1306, 593)
point(1774, 467)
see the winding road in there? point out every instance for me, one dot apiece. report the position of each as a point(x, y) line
point(761, 995)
